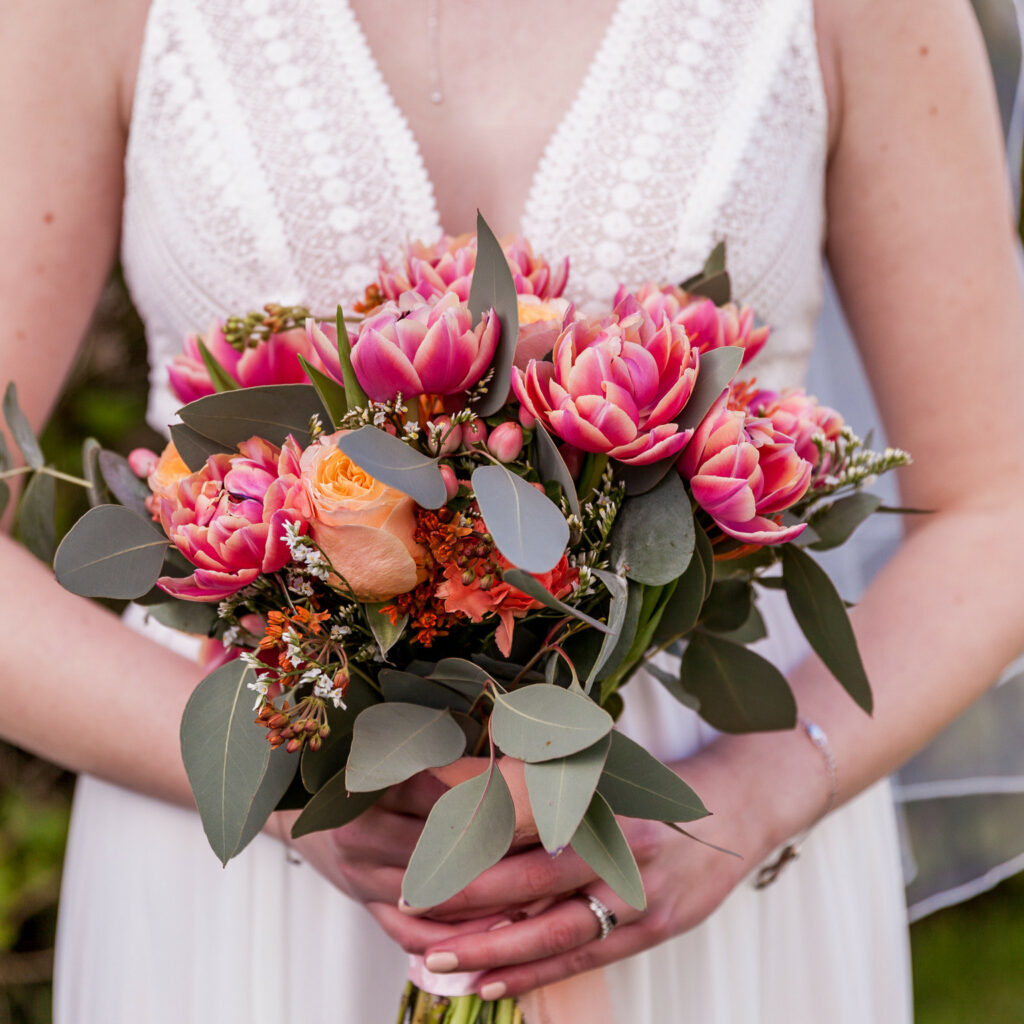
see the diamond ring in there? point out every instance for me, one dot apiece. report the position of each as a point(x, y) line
point(605, 917)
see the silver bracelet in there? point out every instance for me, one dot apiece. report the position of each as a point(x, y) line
point(769, 872)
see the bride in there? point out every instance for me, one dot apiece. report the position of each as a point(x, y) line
point(246, 150)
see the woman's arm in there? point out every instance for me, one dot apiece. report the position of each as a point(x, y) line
point(62, 118)
point(922, 245)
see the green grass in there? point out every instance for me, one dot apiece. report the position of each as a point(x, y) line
point(969, 960)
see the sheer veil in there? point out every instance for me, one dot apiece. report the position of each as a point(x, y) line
point(961, 799)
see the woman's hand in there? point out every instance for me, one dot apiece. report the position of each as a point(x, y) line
point(763, 790)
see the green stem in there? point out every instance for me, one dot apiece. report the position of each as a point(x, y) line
point(506, 1009)
point(403, 1007)
point(49, 471)
point(590, 476)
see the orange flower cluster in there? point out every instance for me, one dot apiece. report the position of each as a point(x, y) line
point(447, 542)
point(304, 621)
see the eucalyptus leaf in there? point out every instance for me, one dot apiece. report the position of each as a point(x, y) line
point(110, 552)
point(716, 287)
point(5, 453)
point(332, 806)
point(637, 785)
point(739, 691)
point(728, 606)
point(385, 632)
point(195, 448)
point(707, 558)
point(835, 523)
point(270, 411)
point(318, 766)
point(653, 536)
point(397, 464)
point(750, 631)
point(195, 617)
point(600, 842)
point(35, 519)
point(409, 688)
point(391, 742)
point(672, 683)
point(641, 479)
point(331, 393)
point(355, 396)
point(468, 830)
point(5, 497)
point(219, 377)
point(225, 755)
point(822, 616)
point(717, 369)
point(98, 492)
point(551, 466)
point(277, 779)
point(542, 722)
point(123, 484)
point(493, 287)
point(684, 606)
point(618, 589)
point(451, 670)
point(561, 791)
point(627, 636)
point(21, 431)
point(528, 529)
point(534, 588)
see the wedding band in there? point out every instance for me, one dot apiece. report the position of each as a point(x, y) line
point(605, 918)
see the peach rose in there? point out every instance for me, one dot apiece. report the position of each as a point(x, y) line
point(364, 527)
point(164, 476)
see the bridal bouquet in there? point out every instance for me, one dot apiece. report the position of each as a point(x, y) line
point(461, 530)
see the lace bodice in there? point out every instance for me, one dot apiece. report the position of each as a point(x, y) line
point(267, 161)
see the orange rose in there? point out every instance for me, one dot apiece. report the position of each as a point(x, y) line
point(364, 527)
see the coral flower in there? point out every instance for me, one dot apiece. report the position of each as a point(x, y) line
point(501, 598)
point(447, 266)
point(614, 385)
point(742, 471)
point(228, 519)
point(274, 361)
point(430, 350)
point(709, 326)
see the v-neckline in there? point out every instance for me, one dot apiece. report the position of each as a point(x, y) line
point(411, 152)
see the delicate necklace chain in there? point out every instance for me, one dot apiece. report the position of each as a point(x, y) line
point(434, 44)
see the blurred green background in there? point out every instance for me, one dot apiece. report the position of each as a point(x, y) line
point(968, 960)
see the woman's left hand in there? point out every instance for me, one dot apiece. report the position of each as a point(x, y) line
point(553, 933)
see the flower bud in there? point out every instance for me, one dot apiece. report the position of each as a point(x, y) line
point(309, 725)
point(142, 461)
point(294, 746)
point(506, 441)
point(474, 432)
point(278, 721)
point(314, 743)
point(445, 438)
point(451, 482)
point(487, 581)
point(526, 418)
point(325, 731)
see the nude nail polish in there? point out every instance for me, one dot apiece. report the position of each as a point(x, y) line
point(441, 963)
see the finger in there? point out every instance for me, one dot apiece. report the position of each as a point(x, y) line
point(416, 935)
point(519, 879)
point(415, 796)
point(568, 925)
point(514, 981)
point(384, 838)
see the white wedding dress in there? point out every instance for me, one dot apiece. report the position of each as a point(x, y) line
point(267, 161)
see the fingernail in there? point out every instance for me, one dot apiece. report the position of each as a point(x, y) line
point(441, 963)
point(499, 924)
point(493, 991)
point(408, 908)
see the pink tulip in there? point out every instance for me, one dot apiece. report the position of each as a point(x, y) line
point(742, 471)
point(228, 519)
point(274, 361)
point(709, 326)
point(447, 266)
point(614, 385)
point(795, 413)
point(506, 441)
point(432, 350)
